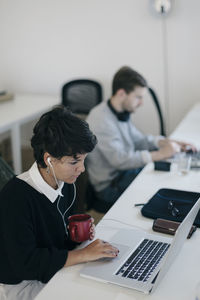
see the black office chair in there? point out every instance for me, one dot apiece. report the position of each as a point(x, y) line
point(160, 115)
point(81, 95)
point(6, 173)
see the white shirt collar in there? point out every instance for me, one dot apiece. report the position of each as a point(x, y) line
point(34, 178)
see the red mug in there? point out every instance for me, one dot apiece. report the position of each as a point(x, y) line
point(79, 227)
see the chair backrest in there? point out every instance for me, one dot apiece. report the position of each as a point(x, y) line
point(160, 115)
point(6, 173)
point(81, 95)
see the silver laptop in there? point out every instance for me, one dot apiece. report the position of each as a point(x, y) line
point(195, 159)
point(144, 258)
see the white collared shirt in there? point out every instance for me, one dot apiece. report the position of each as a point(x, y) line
point(34, 179)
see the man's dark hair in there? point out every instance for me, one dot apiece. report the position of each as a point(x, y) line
point(61, 133)
point(127, 79)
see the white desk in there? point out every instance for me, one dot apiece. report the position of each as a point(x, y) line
point(20, 110)
point(181, 279)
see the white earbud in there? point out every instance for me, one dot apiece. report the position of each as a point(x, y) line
point(49, 161)
point(54, 175)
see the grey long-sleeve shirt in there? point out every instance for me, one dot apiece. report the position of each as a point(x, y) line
point(121, 146)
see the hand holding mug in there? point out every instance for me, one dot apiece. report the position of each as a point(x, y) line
point(92, 230)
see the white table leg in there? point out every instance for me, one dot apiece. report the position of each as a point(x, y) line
point(16, 148)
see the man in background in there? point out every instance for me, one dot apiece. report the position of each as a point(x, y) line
point(122, 150)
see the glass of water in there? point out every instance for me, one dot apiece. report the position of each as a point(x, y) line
point(183, 163)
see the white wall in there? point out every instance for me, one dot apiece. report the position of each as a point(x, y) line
point(183, 29)
point(45, 43)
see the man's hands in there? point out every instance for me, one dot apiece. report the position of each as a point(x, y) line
point(168, 148)
point(185, 147)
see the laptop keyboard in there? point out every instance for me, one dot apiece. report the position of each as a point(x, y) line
point(195, 163)
point(143, 261)
point(195, 155)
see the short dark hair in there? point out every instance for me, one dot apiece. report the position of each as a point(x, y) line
point(61, 133)
point(127, 79)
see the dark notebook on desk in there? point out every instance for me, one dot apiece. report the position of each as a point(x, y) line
point(171, 204)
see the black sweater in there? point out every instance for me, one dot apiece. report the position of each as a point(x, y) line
point(33, 242)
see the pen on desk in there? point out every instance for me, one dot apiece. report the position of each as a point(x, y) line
point(139, 204)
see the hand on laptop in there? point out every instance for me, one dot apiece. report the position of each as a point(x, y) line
point(187, 147)
point(167, 149)
point(92, 229)
point(99, 249)
point(96, 250)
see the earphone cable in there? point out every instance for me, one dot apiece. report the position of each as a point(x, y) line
point(54, 174)
point(63, 215)
point(118, 221)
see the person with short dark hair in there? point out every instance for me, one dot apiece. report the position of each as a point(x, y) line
point(122, 149)
point(35, 206)
point(127, 79)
